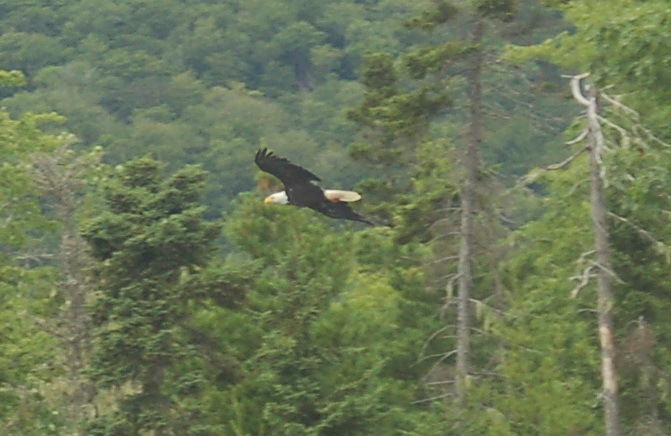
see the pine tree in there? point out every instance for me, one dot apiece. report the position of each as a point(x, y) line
point(624, 44)
point(397, 120)
point(333, 318)
point(149, 243)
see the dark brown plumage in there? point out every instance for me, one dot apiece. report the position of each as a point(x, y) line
point(301, 192)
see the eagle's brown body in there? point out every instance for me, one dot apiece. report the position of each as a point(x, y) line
point(301, 192)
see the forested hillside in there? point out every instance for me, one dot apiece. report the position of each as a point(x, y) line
point(516, 281)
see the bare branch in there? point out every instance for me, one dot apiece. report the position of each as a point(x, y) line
point(443, 382)
point(653, 137)
point(635, 116)
point(437, 397)
point(567, 161)
point(641, 231)
point(428, 341)
point(587, 310)
point(449, 287)
point(620, 105)
point(575, 187)
point(610, 272)
point(584, 255)
point(580, 137)
point(442, 259)
point(584, 280)
point(577, 92)
point(36, 257)
point(626, 140)
point(443, 357)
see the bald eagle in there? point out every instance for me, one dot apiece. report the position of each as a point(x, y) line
point(300, 191)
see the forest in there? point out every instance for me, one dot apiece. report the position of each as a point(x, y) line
point(514, 157)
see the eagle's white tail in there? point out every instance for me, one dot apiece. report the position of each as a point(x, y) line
point(338, 195)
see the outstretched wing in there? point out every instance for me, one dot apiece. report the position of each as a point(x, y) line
point(281, 168)
point(340, 210)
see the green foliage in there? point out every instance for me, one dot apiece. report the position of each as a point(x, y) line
point(393, 112)
point(622, 43)
point(306, 326)
point(642, 260)
point(152, 73)
point(428, 20)
point(12, 78)
point(410, 100)
point(27, 352)
point(29, 52)
point(430, 59)
point(526, 357)
point(549, 367)
point(331, 353)
point(149, 243)
point(392, 121)
point(635, 174)
point(503, 10)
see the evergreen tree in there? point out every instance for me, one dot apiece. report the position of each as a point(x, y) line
point(397, 119)
point(333, 322)
point(621, 43)
point(149, 243)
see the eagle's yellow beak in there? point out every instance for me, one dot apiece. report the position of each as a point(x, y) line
point(268, 200)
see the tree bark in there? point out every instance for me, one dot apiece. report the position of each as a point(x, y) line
point(604, 275)
point(471, 162)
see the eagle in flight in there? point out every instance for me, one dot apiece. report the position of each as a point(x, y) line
point(300, 191)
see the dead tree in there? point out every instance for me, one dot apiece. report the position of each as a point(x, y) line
point(627, 130)
point(604, 272)
point(60, 178)
point(472, 165)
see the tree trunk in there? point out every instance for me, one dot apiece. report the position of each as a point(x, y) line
point(604, 275)
point(59, 180)
point(471, 162)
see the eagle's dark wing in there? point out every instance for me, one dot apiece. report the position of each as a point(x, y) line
point(340, 210)
point(281, 168)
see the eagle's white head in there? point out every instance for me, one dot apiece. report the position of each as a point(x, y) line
point(277, 198)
